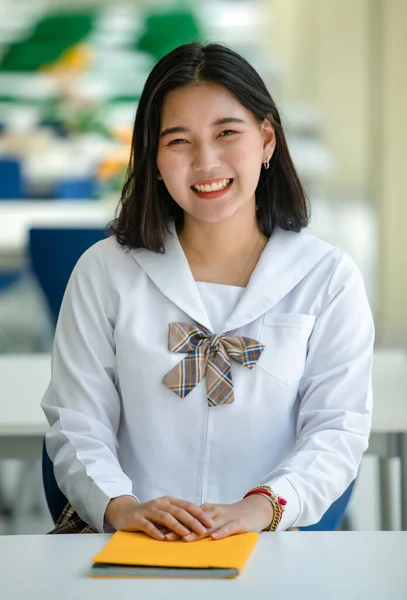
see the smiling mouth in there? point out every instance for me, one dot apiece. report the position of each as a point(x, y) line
point(209, 188)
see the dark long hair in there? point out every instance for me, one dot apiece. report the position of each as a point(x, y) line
point(146, 207)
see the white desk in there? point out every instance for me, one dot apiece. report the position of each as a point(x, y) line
point(17, 217)
point(24, 379)
point(289, 566)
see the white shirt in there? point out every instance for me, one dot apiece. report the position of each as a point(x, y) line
point(219, 301)
point(300, 420)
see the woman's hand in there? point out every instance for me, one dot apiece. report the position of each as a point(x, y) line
point(158, 517)
point(253, 513)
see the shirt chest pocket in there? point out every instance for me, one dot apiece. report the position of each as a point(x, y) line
point(285, 337)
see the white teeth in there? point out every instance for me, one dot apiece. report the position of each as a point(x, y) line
point(214, 187)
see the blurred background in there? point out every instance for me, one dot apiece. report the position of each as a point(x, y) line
point(71, 74)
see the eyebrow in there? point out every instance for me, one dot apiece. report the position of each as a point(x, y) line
point(180, 129)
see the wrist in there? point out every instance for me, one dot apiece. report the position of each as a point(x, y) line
point(262, 505)
point(278, 502)
point(118, 508)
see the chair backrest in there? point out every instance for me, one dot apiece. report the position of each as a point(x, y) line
point(55, 498)
point(334, 515)
point(11, 179)
point(76, 189)
point(53, 254)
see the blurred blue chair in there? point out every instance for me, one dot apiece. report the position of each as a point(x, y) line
point(76, 189)
point(53, 495)
point(334, 516)
point(11, 179)
point(7, 281)
point(53, 254)
point(11, 188)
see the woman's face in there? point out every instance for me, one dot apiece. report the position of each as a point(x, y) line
point(210, 151)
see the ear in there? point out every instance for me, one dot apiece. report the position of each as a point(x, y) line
point(269, 139)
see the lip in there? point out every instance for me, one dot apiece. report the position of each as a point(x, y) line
point(215, 194)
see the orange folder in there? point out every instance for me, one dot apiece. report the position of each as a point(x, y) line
point(129, 554)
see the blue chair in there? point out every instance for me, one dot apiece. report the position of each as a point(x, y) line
point(11, 188)
point(7, 281)
point(53, 495)
point(334, 516)
point(53, 254)
point(11, 179)
point(76, 189)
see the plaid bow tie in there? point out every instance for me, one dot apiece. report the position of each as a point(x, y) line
point(208, 354)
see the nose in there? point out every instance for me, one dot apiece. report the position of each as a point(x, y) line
point(205, 158)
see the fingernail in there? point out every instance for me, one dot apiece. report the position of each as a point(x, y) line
point(190, 537)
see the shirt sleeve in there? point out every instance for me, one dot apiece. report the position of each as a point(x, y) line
point(82, 402)
point(334, 417)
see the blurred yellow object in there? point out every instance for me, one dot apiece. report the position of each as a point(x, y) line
point(76, 58)
point(124, 134)
point(116, 162)
point(110, 167)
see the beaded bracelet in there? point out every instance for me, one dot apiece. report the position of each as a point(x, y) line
point(278, 503)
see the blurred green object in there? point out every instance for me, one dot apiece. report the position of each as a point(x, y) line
point(131, 98)
point(164, 31)
point(71, 26)
point(32, 55)
point(51, 37)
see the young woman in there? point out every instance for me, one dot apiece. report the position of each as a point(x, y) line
point(212, 360)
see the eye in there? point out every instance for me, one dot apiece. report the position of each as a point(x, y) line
point(227, 132)
point(177, 142)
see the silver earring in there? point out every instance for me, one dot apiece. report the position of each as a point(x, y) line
point(266, 164)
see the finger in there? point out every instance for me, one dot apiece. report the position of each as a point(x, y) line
point(163, 529)
point(162, 517)
point(173, 537)
point(228, 529)
point(195, 511)
point(147, 527)
point(194, 537)
point(188, 520)
point(217, 524)
point(169, 535)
